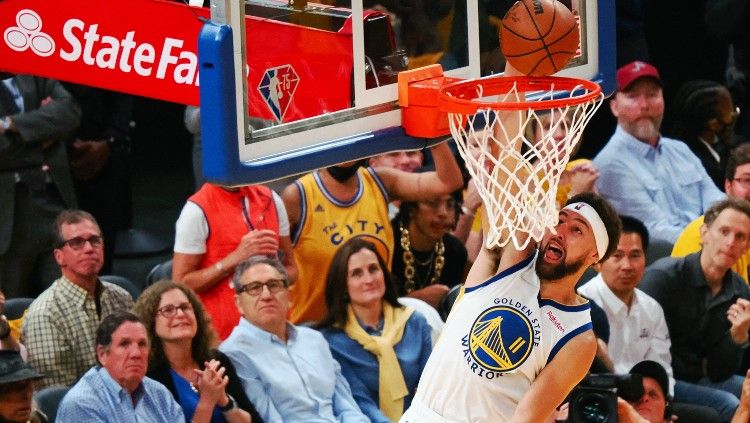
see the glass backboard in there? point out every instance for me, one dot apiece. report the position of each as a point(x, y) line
point(320, 86)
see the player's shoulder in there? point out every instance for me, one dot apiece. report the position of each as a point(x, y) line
point(581, 345)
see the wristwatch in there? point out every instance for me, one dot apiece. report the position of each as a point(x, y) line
point(231, 405)
point(5, 123)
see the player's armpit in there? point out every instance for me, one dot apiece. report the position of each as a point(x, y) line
point(557, 379)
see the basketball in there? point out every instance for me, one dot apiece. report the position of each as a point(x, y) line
point(539, 37)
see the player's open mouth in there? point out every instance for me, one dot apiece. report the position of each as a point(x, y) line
point(553, 252)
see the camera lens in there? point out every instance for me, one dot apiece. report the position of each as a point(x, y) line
point(593, 408)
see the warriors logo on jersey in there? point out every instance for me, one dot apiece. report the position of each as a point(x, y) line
point(501, 339)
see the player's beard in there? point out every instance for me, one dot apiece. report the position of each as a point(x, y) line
point(557, 271)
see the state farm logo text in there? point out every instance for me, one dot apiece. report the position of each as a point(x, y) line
point(83, 42)
point(27, 34)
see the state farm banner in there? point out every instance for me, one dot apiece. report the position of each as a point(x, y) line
point(142, 47)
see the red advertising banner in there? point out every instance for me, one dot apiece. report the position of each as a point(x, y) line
point(296, 68)
point(141, 47)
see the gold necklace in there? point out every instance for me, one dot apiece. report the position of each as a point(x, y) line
point(409, 270)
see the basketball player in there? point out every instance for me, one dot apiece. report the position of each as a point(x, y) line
point(519, 339)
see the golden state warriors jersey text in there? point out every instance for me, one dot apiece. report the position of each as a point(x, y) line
point(497, 339)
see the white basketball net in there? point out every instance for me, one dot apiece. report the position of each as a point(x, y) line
point(519, 188)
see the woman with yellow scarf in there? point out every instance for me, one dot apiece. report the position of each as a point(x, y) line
point(382, 347)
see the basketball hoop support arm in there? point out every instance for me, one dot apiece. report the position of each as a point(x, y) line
point(417, 96)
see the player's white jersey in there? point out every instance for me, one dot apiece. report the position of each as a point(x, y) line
point(497, 339)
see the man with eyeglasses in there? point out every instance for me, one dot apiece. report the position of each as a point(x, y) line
point(59, 329)
point(736, 185)
point(287, 371)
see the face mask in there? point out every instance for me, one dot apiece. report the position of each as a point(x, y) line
point(342, 174)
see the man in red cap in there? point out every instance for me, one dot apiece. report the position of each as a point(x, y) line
point(643, 174)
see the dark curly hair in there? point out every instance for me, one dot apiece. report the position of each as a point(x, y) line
point(146, 308)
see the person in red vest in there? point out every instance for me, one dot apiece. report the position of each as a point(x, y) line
point(220, 227)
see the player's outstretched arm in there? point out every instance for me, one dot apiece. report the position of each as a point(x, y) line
point(557, 379)
point(492, 261)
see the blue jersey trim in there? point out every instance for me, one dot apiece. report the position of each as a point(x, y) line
point(507, 272)
point(302, 212)
point(554, 304)
point(379, 182)
point(564, 340)
point(334, 200)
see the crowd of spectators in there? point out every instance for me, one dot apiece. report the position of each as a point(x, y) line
point(289, 306)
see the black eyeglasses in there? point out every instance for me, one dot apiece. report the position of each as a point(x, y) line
point(169, 311)
point(79, 242)
point(254, 289)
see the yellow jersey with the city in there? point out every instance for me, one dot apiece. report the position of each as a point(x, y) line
point(326, 223)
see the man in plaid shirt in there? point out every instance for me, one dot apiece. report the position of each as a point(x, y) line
point(60, 327)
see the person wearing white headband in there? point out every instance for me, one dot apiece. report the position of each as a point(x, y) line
point(595, 222)
point(519, 337)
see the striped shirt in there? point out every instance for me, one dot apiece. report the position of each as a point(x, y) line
point(59, 329)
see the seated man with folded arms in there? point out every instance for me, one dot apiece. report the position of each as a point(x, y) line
point(707, 309)
point(287, 371)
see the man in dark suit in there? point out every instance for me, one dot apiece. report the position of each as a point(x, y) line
point(36, 116)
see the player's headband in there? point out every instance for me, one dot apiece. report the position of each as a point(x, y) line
point(597, 225)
